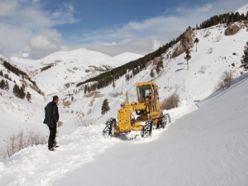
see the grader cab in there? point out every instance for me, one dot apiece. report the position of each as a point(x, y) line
point(143, 115)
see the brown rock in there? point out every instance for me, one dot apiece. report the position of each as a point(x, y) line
point(185, 43)
point(232, 29)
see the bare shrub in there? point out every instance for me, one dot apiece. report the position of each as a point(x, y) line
point(96, 94)
point(20, 141)
point(170, 102)
point(115, 94)
point(226, 81)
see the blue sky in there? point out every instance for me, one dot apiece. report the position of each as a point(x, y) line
point(95, 14)
point(39, 27)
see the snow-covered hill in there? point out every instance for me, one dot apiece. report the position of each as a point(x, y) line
point(53, 74)
point(64, 68)
point(195, 148)
point(18, 114)
point(216, 53)
point(243, 9)
point(207, 147)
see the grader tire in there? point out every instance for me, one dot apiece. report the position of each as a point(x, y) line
point(110, 127)
point(165, 120)
point(147, 129)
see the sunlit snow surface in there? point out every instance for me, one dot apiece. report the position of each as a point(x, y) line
point(206, 147)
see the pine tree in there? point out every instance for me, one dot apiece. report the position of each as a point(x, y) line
point(6, 85)
point(113, 84)
point(187, 58)
point(244, 60)
point(152, 73)
point(85, 89)
point(127, 77)
point(196, 42)
point(105, 106)
point(19, 92)
point(2, 84)
point(28, 96)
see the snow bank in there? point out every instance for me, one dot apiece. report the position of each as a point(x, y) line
point(207, 147)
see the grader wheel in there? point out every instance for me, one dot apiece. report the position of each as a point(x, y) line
point(147, 129)
point(110, 127)
point(165, 120)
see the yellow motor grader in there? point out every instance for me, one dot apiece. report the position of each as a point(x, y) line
point(142, 116)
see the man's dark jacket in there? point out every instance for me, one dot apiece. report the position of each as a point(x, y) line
point(51, 114)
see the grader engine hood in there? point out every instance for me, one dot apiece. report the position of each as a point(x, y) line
point(126, 115)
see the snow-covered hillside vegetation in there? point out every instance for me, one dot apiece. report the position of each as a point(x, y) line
point(207, 147)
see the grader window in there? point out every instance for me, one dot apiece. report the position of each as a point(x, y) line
point(144, 92)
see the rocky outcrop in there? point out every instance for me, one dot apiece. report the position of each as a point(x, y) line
point(232, 29)
point(186, 43)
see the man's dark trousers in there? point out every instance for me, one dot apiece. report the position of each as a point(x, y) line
point(52, 136)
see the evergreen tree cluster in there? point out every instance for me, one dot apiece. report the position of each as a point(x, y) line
point(19, 73)
point(223, 18)
point(244, 60)
point(105, 106)
point(19, 91)
point(14, 69)
point(4, 84)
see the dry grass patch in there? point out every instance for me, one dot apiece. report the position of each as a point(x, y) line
point(226, 81)
point(170, 102)
point(20, 141)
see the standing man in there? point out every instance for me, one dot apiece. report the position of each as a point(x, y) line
point(51, 119)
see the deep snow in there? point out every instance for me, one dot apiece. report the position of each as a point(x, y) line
point(184, 154)
point(207, 147)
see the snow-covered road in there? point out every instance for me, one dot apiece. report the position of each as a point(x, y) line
point(38, 166)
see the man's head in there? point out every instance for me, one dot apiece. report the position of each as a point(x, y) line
point(55, 99)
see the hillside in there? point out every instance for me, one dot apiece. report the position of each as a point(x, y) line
point(17, 112)
point(243, 9)
point(65, 68)
point(206, 69)
point(204, 145)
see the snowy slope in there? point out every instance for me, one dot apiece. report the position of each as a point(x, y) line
point(18, 114)
point(243, 9)
point(80, 137)
point(207, 147)
point(216, 54)
point(68, 67)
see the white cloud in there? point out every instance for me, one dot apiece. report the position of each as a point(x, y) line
point(25, 26)
point(140, 36)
